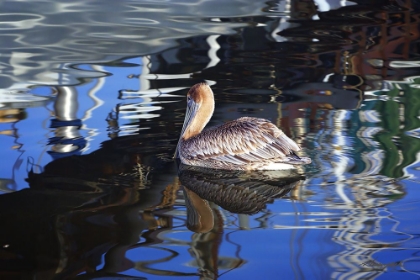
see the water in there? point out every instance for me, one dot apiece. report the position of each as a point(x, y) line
point(92, 98)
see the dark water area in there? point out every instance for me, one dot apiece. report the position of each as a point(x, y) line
point(92, 102)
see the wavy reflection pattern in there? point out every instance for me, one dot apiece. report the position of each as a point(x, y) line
point(99, 31)
point(362, 72)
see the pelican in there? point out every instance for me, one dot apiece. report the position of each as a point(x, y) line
point(243, 144)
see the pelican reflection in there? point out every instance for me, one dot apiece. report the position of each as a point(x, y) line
point(234, 190)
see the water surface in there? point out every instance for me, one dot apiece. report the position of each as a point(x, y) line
point(92, 101)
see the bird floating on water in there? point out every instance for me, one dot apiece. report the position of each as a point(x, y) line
point(243, 144)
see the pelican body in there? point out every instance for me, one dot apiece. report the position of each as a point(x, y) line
point(243, 144)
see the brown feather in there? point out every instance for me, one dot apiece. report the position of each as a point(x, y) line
point(245, 143)
point(240, 142)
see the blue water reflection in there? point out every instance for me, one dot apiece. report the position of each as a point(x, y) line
point(92, 101)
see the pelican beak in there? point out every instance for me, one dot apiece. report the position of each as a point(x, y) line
point(192, 109)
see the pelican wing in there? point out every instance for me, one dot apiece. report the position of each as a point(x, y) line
point(242, 141)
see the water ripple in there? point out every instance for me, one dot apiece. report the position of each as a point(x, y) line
point(15, 21)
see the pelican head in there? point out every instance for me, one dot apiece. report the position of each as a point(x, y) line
point(200, 107)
